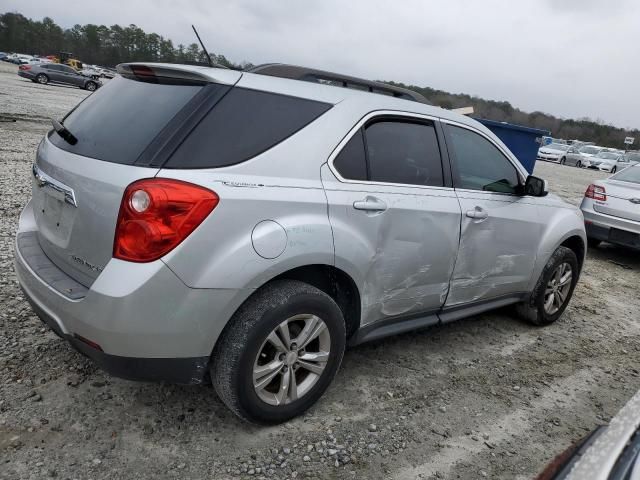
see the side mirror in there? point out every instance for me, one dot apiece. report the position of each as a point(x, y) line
point(535, 186)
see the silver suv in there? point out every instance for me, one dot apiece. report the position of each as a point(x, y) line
point(193, 224)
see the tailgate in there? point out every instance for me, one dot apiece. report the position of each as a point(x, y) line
point(82, 170)
point(76, 202)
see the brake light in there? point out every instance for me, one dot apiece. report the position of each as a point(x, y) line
point(596, 192)
point(156, 215)
point(24, 67)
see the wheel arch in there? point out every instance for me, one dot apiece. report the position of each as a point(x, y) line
point(331, 280)
point(337, 284)
point(578, 246)
point(565, 228)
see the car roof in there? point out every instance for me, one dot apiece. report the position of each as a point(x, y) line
point(310, 90)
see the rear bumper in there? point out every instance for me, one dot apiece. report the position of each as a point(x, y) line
point(26, 74)
point(148, 324)
point(190, 370)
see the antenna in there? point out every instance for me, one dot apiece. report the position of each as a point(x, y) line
point(203, 47)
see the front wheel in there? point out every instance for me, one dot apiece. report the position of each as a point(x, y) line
point(279, 352)
point(579, 164)
point(563, 160)
point(91, 86)
point(613, 170)
point(554, 289)
point(42, 79)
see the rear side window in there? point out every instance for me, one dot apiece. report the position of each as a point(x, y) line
point(479, 165)
point(393, 151)
point(243, 124)
point(118, 121)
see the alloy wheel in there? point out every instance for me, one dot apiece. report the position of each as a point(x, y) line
point(557, 289)
point(292, 359)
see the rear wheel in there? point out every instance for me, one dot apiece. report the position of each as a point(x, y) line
point(42, 79)
point(554, 289)
point(279, 352)
point(91, 86)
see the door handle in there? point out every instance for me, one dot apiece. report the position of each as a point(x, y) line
point(370, 204)
point(478, 214)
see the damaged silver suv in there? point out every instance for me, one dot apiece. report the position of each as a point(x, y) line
point(193, 224)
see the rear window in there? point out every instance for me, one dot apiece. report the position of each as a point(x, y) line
point(242, 125)
point(631, 174)
point(119, 120)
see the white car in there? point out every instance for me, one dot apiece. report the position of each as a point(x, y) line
point(611, 162)
point(552, 152)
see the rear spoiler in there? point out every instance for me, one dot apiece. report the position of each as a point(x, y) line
point(177, 74)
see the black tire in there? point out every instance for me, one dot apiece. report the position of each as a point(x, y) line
point(533, 311)
point(563, 161)
point(42, 79)
point(91, 86)
point(613, 170)
point(579, 164)
point(593, 242)
point(240, 343)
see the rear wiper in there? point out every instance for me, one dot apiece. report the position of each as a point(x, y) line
point(61, 130)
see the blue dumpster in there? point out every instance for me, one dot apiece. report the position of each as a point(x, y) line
point(522, 141)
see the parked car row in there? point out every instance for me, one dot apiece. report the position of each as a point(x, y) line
point(93, 71)
point(588, 156)
point(22, 59)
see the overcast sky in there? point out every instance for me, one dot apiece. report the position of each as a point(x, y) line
point(570, 58)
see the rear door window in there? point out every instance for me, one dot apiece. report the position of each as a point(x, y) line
point(243, 124)
point(393, 151)
point(403, 152)
point(118, 121)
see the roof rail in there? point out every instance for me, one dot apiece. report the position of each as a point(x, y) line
point(336, 79)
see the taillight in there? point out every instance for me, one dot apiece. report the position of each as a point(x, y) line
point(156, 214)
point(596, 192)
point(24, 67)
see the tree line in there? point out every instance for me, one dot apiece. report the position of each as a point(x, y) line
point(97, 44)
point(110, 45)
point(585, 129)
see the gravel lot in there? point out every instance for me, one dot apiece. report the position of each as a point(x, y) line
point(486, 397)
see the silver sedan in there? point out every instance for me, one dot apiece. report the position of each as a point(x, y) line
point(611, 209)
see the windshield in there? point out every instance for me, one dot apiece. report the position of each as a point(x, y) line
point(607, 155)
point(589, 150)
point(631, 174)
point(558, 146)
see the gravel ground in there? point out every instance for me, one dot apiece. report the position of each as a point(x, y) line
point(486, 397)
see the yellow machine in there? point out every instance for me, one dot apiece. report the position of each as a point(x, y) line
point(66, 58)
